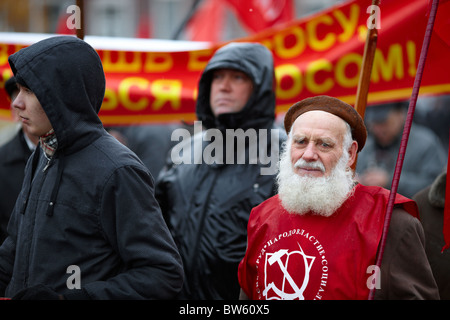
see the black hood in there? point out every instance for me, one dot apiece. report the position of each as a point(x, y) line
point(256, 61)
point(66, 75)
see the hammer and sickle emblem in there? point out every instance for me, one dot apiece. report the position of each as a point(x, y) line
point(276, 258)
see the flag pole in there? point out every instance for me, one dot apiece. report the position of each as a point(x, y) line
point(186, 20)
point(405, 136)
point(446, 227)
point(80, 31)
point(366, 71)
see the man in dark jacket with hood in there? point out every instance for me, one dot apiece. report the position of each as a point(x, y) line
point(86, 224)
point(207, 202)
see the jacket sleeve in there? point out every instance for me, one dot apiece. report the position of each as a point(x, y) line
point(160, 193)
point(7, 252)
point(132, 222)
point(405, 271)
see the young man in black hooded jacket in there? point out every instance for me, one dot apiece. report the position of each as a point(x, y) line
point(207, 196)
point(86, 224)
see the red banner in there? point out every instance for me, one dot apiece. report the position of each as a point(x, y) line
point(321, 54)
point(258, 15)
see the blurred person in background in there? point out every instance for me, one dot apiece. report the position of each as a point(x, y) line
point(434, 113)
point(424, 160)
point(13, 157)
point(151, 142)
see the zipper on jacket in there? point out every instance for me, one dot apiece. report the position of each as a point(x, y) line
point(29, 250)
point(49, 162)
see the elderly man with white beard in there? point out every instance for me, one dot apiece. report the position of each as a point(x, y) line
point(318, 238)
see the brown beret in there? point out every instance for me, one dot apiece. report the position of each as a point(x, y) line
point(333, 106)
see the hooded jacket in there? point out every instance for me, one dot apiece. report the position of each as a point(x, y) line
point(90, 208)
point(255, 61)
point(207, 205)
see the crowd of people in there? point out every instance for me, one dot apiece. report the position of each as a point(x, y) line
point(136, 225)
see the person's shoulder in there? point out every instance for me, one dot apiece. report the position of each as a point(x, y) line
point(377, 191)
point(11, 142)
point(108, 151)
point(424, 134)
point(372, 191)
point(12, 150)
point(421, 195)
point(268, 205)
point(263, 212)
point(402, 221)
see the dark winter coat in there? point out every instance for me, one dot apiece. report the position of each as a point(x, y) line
point(431, 202)
point(207, 205)
point(91, 206)
point(424, 159)
point(13, 158)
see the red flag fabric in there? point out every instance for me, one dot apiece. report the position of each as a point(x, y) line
point(442, 23)
point(207, 23)
point(62, 28)
point(257, 15)
point(144, 27)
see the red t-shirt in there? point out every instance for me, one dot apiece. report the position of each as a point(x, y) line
point(313, 257)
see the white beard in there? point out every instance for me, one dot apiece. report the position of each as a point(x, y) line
point(314, 195)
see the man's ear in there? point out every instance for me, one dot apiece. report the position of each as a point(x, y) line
point(352, 151)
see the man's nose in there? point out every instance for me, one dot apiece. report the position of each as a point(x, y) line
point(310, 153)
point(225, 83)
point(18, 102)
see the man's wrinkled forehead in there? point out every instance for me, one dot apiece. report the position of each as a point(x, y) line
point(318, 121)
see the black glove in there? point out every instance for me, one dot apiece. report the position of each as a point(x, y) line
point(38, 292)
